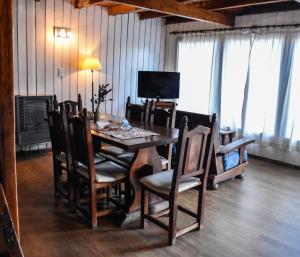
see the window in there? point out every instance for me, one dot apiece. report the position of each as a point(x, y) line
point(251, 89)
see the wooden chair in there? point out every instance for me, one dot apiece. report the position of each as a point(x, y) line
point(76, 107)
point(99, 176)
point(228, 161)
point(138, 112)
point(62, 159)
point(191, 171)
point(163, 115)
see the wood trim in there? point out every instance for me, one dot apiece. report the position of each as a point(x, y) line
point(7, 111)
point(277, 162)
point(173, 8)
point(151, 15)
point(224, 4)
point(121, 9)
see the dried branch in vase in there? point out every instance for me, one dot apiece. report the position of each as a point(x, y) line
point(100, 97)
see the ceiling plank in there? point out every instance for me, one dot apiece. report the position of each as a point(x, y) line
point(279, 7)
point(121, 9)
point(176, 20)
point(172, 7)
point(150, 15)
point(219, 5)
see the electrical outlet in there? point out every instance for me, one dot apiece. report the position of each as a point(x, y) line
point(61, 72)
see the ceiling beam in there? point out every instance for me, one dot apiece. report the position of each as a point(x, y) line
point(219, 5)
point(85, 3)
point(176, 20)
point(150, 15)
point(171, 7)
point(121, 9)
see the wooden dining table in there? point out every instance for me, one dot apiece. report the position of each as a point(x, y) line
point(146, 158)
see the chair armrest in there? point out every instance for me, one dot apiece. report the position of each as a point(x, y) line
point(239, 143)
point(227, 133)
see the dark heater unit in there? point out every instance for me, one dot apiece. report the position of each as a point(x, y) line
point(31, 127)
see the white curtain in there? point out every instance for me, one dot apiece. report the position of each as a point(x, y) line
point(264, 73)
point(234, 77)
point(259, 86)
point(195, 64)
point(292, 132)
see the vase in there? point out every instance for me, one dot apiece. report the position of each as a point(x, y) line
point(97, 116)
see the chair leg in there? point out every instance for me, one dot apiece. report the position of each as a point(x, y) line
point(76, 190)
point(200, 210)
point(56, 169)
point(93, 207)
point(172, 223)
point(144, 206)
point(107, 195)
point(71, 193)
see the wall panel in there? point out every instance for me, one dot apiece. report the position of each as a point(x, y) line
point(123, 43)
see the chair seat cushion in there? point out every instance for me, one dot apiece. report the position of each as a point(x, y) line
point(161, 182)
point(106, 172)
point(112, 150)
point(164, 162)
point(97, 158)
point(232, 160)
point(127, 158)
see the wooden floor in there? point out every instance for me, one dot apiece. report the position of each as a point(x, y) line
point(259, 216)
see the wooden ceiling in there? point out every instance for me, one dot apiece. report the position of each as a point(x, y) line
point(175, 11)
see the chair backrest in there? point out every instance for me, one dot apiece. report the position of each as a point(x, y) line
point(76, 107)
point(81, 142)
point(194, 119)
point(159, 115)
point(204, 120)
point(59, 131)
point(194, 152)
point(136, 111)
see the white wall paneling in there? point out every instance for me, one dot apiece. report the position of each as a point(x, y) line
point(123, 43)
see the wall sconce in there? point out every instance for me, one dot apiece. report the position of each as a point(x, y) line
point(62, 32)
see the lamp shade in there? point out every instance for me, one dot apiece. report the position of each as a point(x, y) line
point(91, 64)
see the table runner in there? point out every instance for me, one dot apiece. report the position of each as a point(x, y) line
point(122, 133)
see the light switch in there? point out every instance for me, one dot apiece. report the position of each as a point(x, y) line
point(61, 72)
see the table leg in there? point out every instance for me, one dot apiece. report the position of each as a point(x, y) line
point(148, 157)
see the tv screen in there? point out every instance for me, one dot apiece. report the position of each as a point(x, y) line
point(155, 84)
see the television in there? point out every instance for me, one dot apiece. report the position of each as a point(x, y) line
point(156, 84)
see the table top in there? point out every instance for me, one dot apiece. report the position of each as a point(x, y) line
point(166, 135)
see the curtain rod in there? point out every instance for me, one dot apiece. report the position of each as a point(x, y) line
point(297, 25)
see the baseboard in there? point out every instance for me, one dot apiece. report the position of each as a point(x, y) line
point(284, 164)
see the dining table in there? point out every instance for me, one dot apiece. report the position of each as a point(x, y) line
point(146, 159)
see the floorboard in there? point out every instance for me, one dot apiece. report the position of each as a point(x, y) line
point(257, 216)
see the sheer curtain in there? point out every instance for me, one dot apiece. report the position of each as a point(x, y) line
point(292, 102)
point(250, 78)
point(195, 64)
point(264, 73)
point(234, 77)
